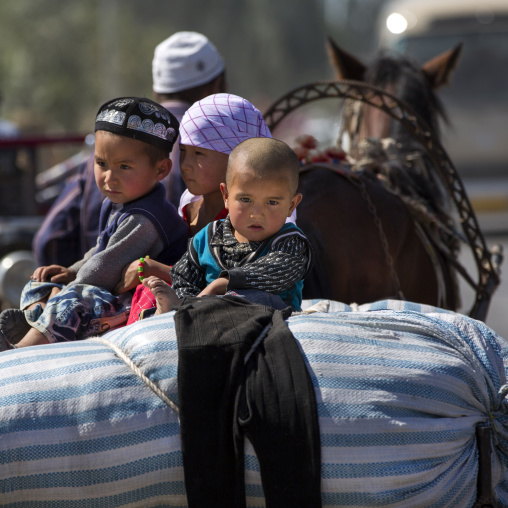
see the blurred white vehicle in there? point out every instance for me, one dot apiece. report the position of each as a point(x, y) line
point(477, 99)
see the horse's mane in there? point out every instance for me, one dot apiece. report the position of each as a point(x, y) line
point(410, 84)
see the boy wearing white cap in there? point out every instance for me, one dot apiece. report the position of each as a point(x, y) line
point(186, 68)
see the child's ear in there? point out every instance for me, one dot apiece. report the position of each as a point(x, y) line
point(294, 203)
point(224, 191)
point(163, 168)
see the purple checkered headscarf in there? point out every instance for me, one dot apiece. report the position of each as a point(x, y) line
point(220, 122)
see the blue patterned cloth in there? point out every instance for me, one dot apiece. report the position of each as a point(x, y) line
point(400, 389)
point(77, 312)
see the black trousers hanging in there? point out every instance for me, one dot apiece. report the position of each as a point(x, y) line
point(228, 390)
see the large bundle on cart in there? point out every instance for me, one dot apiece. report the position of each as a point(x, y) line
point(401, 389)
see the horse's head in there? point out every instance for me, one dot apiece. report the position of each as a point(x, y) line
point(401, 77)
point(403, 163)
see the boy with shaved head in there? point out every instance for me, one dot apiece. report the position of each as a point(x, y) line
point(254, 252)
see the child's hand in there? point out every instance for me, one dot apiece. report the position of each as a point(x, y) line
point(129, 278)
point(217, 287)
point(53, 273)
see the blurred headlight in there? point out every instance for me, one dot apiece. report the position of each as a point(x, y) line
point(396, 23)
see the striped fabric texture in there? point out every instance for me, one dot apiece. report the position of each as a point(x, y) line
point(400, 389)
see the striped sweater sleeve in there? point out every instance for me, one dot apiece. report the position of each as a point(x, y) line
point(287, 262)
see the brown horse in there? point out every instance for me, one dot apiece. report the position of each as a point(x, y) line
point(368, 245)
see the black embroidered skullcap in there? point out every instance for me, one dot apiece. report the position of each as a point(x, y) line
point(141, 119)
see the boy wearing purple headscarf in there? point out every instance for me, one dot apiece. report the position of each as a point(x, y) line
point(210, 129)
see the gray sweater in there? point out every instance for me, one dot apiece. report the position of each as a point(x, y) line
point(135, 237)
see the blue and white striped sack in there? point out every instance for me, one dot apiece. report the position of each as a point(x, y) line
point(400, 389)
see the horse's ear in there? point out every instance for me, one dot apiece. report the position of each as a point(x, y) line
point(346, 66)
point(439, 69)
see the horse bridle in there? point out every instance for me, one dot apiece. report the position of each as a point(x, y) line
point(353, 112)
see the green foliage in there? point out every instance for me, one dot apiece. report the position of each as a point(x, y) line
point(61, 59)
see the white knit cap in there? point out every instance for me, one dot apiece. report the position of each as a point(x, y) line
point(185, 60)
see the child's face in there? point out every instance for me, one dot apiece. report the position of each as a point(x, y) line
point(123, 170)
point(258, 208)
point(202, 170)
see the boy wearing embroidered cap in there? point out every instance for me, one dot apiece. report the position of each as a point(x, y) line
point(186, 67)
point(134, 137)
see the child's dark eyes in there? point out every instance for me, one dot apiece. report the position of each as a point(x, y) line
point(103, 165)
point(271, 202)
